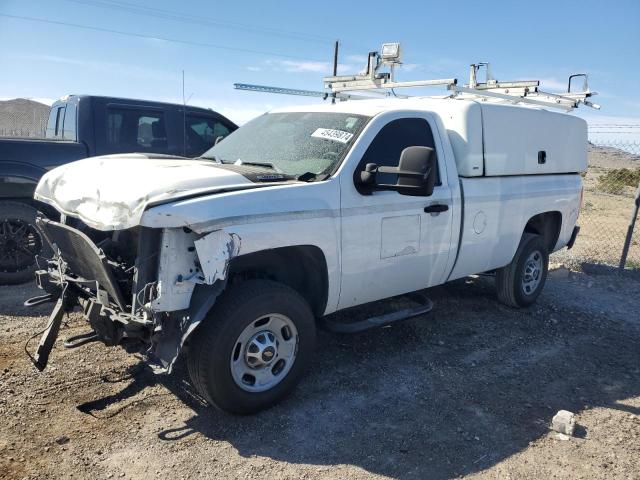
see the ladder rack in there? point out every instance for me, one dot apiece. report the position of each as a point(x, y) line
point(526, 91)
point(295, 91)
point(375, 81)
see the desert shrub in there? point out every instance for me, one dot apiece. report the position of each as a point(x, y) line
point(615, 180)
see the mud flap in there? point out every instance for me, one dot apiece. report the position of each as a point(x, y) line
point(41, 358)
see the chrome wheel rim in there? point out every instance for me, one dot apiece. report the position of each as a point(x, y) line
point(264, 353)
point(533, 268)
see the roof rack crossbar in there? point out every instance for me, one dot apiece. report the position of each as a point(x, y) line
point(375, 81)
point(347, 86)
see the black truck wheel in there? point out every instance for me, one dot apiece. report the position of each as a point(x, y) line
point(253, 347)
point(20, 241)
point(520, 283)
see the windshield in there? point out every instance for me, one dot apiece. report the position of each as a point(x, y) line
point(291, 143)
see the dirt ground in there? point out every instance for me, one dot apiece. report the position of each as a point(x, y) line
point(466, 391)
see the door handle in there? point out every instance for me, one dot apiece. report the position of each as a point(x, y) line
point(436, 208)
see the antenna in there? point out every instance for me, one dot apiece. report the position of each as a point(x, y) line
point(184, 120)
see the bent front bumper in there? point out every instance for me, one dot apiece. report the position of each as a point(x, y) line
point(151, 305)
point(82, 257)
point(81, 276)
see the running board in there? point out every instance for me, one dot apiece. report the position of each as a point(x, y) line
point(426, 305)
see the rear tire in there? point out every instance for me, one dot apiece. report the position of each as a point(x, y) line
point(520, 283)
point(253, 347)
point(20, 241)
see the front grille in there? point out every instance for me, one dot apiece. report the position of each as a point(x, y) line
point(82, 257)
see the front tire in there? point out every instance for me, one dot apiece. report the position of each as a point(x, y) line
point(20, 241)
point(253, 347)
point(520, 283)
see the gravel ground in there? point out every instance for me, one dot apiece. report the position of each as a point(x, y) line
point(468, 390)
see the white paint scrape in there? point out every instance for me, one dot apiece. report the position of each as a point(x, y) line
point(214, 252)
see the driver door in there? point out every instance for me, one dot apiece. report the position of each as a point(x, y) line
point(390, 245)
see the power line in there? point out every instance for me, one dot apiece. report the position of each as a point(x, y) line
point(181, 17)
point(152, 37)
point(614, 125)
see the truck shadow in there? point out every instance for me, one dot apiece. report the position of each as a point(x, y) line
point(452, 393)
point(14, 296)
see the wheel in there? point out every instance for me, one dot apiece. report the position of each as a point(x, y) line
point(520, 283)
point(253, 347)
point(20, 241)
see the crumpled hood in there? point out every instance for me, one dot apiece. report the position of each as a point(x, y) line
point(111, 192)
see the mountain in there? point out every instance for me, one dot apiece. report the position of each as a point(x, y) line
point(614, 155)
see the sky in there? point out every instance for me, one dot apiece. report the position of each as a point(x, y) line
point(139, 48)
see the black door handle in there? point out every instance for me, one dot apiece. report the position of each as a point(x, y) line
point(436, 208)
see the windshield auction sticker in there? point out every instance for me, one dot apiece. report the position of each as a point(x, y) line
point(335, 135)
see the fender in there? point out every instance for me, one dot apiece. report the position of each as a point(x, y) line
point(19, 180)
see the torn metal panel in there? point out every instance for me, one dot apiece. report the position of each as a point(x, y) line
point(186, 262)
point(178, 272)
point(214, 252)
point(176, 328)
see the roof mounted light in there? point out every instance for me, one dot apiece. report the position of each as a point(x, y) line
point(390, 53)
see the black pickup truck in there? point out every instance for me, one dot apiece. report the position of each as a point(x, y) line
point(81, 126)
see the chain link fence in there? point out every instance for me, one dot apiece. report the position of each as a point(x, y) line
point(610, 186)
point(23, 118)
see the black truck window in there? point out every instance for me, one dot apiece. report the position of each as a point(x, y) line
point(136, 130)
point(395, 136)
point(201, 134)
point(54, 124)
point(69, 126)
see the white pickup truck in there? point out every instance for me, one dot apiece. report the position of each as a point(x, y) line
point(233, 257)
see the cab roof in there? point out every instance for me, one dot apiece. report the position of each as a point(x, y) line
point(373, 107)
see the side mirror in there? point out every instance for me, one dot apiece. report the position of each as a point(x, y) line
point(416, 173)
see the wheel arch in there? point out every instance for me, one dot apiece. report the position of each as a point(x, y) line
point(301, 267)
point(547, 225)
point(41, 207)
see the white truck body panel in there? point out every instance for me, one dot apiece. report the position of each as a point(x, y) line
point(283, 215)
point(390, 246)
point(513, 136)
point(463, 121)
point(497, 210)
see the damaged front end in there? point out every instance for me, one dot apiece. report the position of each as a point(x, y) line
point(142, 288)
